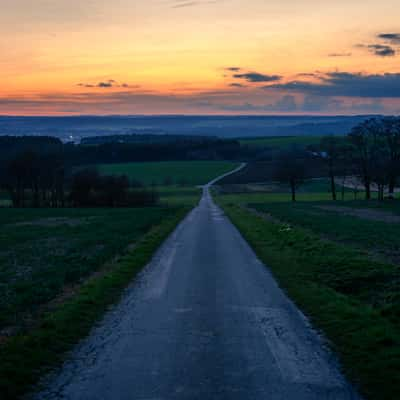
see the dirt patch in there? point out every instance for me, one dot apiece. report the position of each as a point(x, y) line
point(364, 213)
point(353, 182)
point(54, 222)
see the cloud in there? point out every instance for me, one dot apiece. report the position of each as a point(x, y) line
point(111, 83)
point(185, 3)
point(390, 37)
point(307, 74)
point(313, 103)
point(340, 55)
point(216, 102)
point(346, 84)
point(286, 104)
point(256, 77)
point(382, 50)
point(233, 69)
point(236, 85)
point(104, 84)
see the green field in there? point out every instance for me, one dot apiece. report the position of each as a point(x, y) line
point(344, 223)
point(340, 269)
point(176, 172)
point(281, 142)
point(45, 249)
point(178, 195)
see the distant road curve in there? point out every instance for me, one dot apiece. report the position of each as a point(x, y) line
point(219, 178)
point(204, 320)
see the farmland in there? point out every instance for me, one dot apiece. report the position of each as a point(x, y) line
point(170, 172)
point(45, 250)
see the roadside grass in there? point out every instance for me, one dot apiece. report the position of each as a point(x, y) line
point(281, 142)
point(31, 353)
point(188, 172)
point(382, 238)
point(353, 299)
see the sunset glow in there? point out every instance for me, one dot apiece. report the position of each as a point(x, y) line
point(199, 57)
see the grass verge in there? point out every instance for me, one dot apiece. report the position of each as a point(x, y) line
point(343, 292)
point(26, 357)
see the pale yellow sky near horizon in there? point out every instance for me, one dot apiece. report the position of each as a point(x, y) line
point(170, 56)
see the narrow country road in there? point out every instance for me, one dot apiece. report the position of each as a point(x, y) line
point(204, 320)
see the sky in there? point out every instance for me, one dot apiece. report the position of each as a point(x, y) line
point(68, 57)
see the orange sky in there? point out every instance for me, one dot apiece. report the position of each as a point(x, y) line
point(171, 56)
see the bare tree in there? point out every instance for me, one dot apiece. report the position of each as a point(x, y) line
point(290, 170)
point(367, 140)
point(333, 149)
point(391, 133)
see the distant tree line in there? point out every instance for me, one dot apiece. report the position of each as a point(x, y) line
point(126, 149)
point(149, 138)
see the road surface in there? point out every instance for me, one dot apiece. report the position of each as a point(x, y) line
point(204, 320)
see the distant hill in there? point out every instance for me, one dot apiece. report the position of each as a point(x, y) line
point(76, 128)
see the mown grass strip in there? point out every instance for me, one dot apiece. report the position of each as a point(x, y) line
point(330, 282)
point(25, 357)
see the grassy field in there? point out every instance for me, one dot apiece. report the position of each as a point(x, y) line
point(323, 259)
point(178, 195)
point(188, 172)
point(281, 142)
point(342, 222)
point(45, 249)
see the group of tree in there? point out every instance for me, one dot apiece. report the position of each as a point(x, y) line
point(90, 189)
point(127, 148)
point(370, 154)
point(34, 180)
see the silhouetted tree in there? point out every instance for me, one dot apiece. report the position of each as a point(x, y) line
point(391, 134)
point(113, 189)
point(83, 186)
point(332, 148)
point(290, 170)
point(367, 140)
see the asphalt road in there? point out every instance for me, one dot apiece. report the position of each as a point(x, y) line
point(205, 320)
